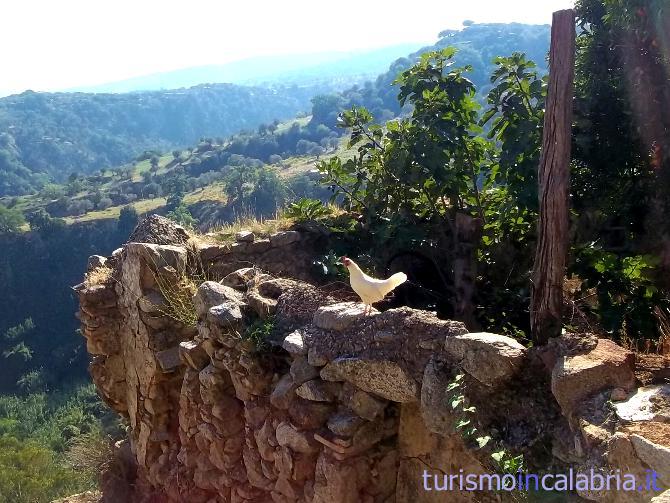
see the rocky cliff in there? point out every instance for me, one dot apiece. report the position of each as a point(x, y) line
point(244, 380)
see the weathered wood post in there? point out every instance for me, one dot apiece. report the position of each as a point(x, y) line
point(554, 181)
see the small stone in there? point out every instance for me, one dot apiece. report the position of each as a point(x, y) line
point(295, 344)
point(212, 252)
point(158, 256)
point(258, 246)
point(95, 262)
point(301, 371)
point(295, 440)
point(364, 404)
point(238, 279)
point(367, 436)
point(99, 296)
point(303, 471)
point(194, 355)
point(210, 377)
point(618, 394)
point(283, 393)
point(254, 471)
point(265, 308)
point(593, 435)
point(244, 236)
point(384, 378)
point(159, 230)
point(345, 423)
point(656, 456)
point(575, 378)
point(151, 303)
point(315, 358)
point(340, 316)
point(273, 288)
point(265, 439)
point(284, 461)
point(664, 497)
point(309, 415)
point(211, 293)
point(289, 489)
point(648, 403)
point(169, 360)
point(436, 410)
point(431, 345)
point(226, 315)
point(284, 238)
point(489, 358)
point(256, 411)
point(315, 390)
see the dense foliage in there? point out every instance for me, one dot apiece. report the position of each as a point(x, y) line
point(621, 176)
point(435, 184)
point(45, 137)
point(464, 201)
point(36, 434)
point(11, 220)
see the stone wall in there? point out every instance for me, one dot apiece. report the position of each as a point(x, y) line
point(336, 406)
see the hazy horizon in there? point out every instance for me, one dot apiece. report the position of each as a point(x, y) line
point(74, 44)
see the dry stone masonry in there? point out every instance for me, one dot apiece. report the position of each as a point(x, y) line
point(281, 392)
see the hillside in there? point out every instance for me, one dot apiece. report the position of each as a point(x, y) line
point(477, 44)
point(332, 70)
point(48, 136)
point(45, 137)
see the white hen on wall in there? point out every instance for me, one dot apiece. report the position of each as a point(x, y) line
point(371, 290)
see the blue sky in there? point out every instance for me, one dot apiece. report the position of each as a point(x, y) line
point(51, 45)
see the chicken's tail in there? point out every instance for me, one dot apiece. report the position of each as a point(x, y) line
point(397, 279)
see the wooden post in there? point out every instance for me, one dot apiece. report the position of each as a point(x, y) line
point(554, 181)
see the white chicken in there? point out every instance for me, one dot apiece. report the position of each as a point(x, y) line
point(371, 290)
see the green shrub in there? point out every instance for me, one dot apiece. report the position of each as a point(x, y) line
point(259, 333)
point(32, 473)
point(37, 433)
point(307, 209)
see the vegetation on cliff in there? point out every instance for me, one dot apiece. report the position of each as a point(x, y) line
point(37, 432)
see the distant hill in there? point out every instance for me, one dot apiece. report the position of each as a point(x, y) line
point(47, 136)
point(477, 44)
point(334, 69)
